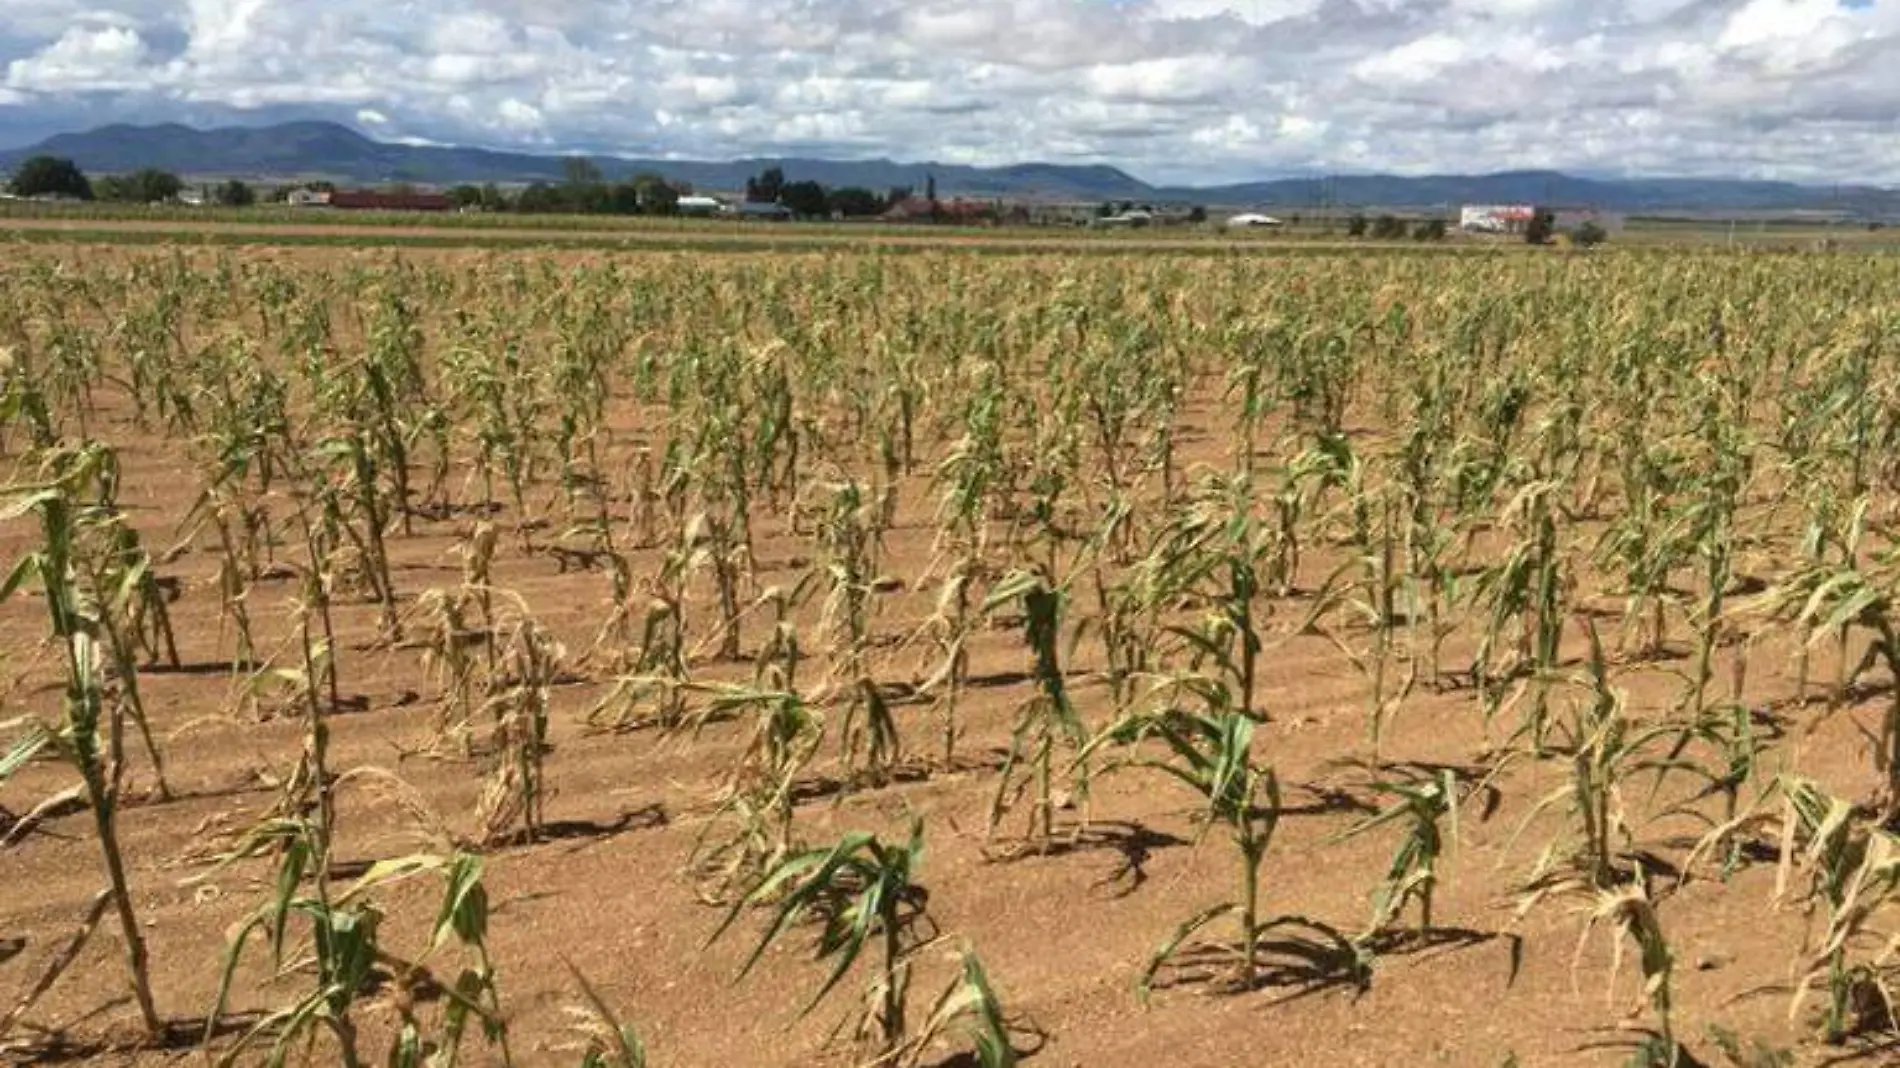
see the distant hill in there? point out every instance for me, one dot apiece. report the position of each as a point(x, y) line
point(328, 150)
point(1552, 187)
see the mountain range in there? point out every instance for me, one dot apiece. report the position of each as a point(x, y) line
point(309, 150)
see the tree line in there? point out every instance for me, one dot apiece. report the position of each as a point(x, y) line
point(585, 190)
point(51, 176)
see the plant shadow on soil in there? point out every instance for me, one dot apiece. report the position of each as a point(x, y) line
point(1303, 967)
point(74, 1044)
point(1136, 842)
point(585, 832)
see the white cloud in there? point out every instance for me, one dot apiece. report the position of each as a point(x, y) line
point(512, 114)
point(84, 57)
point(1174, 90)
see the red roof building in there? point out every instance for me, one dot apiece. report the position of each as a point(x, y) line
point(957, 212)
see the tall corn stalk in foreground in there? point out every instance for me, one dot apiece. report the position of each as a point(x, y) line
point(91, 735)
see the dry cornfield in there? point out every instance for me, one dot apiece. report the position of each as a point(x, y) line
point(949, 658)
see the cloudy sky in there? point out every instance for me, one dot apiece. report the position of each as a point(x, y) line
point(1172, 90)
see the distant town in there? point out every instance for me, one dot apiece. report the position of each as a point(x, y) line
point(771, 197)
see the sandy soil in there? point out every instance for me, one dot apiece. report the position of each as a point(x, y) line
point(1063, 934)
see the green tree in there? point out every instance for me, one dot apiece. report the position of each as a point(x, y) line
point(1589, 235)
point(581, 171)
point(804, 198)
point(466, 196)
point(1388, 228)
point(156, 186)
point(765, 189)
point(853, 201)
point(655, 195)
point(236, 194)
point(1429, 230)
point(1356, 226)
point(539, 198)
point(623, 198)
point(50, 176)
point(1542, 227)
point(1197, 214)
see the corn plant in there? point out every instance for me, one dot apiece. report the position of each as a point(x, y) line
point(1412, 874)
point(1376, 592)
point(1852, 872)
point(237, 564)
point(864, 895)
point(849, 534)
point(517, 706)
point(610, 1043)
point(1210, 752)
point(91, 734)
point(463, 918)
point(343, 926)
point(353, 503)
point(1527, 588)
point(1632, 913)
point(657, 665)
point(1604, 750)
point(968, 1003)
point(755, 801)
point(949, 629)
point(1828, 599)
point(346, 945)
point(1047, 718)
point(442, 624)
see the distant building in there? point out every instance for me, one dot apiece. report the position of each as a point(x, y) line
point(364, 200)
point(910, 209)
point(1133, 218)
point(307, 198)
point(697, 205)
point(956, 212)
point(1248, 220)
point(1516, 218)
point(753, 209)
point(1496, 218)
